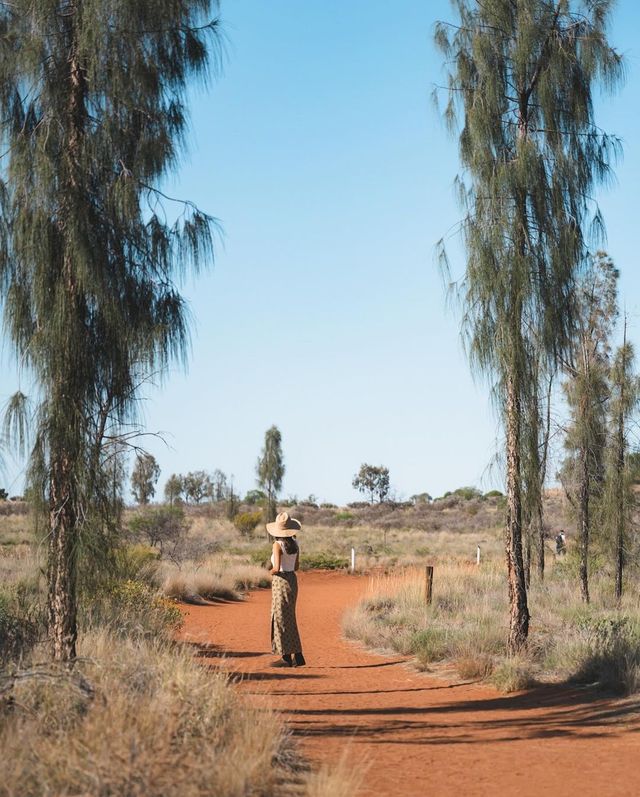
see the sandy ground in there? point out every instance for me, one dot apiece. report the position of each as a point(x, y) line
point(417, 734)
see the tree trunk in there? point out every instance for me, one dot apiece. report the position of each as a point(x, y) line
point(583, 521)
point(62, 610)
point(519, 612)
point(65, 436)
point(619, 474)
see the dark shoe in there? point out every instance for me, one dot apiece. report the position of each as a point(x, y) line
point(300, 662)
point(287, 659)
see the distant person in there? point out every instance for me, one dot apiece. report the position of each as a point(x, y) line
point(561, 543)
point(285, 560)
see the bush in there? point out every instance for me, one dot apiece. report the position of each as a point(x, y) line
point(323, 561)
point(133, 608)
point(611, 657)
point(512, 675)
point(21, 625)
point(429, 645)
point(164, 527)
point(246, 522)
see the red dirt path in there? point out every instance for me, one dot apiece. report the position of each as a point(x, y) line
point(419, 735)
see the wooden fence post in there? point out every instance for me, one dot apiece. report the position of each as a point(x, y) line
point(353, 560)
point(428, 587)
point(478, 555)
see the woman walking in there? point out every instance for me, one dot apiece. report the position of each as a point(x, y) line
point(285, 559)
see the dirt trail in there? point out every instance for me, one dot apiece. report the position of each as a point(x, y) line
point(419, 734)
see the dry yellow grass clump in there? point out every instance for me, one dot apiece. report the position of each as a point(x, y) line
point(217, 576)
point(136, 718)
point(466, 626)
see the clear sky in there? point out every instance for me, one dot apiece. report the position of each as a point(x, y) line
point(321, 153)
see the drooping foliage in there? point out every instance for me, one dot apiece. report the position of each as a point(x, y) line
point(587, 391)
point(92, 108)
point(520, 80)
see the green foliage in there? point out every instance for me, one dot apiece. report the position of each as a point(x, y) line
point(197, 485)
point(3, 494)
point(467, 493)
point(372, 480)
point(173, 488)
point(246, 522)
point(613, 654)
point(323, 561)
point(164, 527)
point(132, 607)
point(93, 120)
point(494, 494)
point(429, 645)
point(347, 518)
point(270, 469)
point(144, 477)
point(531, 155)
point(254, 497)
point(137, 563)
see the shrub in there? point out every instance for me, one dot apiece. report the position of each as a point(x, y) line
point(164, 527)
point(430, 645)
point(137, 563)
point(611, 654)
point(21, 625)
point(246, 522)
point(323, 561)
point(512, 675)
point(133, 608)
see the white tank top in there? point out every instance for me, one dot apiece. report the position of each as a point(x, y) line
point(287, 560)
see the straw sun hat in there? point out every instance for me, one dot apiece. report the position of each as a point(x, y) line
point(284, 526)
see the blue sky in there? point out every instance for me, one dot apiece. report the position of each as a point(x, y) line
point(320, 151)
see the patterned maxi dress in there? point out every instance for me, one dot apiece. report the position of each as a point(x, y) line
point(285, 638)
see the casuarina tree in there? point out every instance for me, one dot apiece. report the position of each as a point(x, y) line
point(92, 115)
point(520, 79)
point(587, 390)
point(270, 469)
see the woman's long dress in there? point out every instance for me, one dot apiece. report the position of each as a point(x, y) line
point(285, 638)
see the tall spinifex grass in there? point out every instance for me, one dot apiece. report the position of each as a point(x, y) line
point(466, 626)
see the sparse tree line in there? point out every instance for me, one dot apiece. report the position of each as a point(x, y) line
point(90, 264)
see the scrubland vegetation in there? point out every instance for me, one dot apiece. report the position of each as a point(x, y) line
point(136, 714)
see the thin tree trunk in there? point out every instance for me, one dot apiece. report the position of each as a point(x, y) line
point(519, 612)
point(62, 609)
point(63, 520)
point(583, 520)
point(543, 476)
point(619, 475)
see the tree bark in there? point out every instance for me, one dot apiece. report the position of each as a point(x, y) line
point(583, 520)
point(619, 474)
point(519, 612)
point(62, 609)
point(65, 442)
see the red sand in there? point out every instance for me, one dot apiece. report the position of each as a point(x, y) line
point(420, 735)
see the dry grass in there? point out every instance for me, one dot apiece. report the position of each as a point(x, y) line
point(216, 577)
point(137, 719)
point(466, 626)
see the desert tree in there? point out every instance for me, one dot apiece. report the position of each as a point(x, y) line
point(197, 486)
point(372, 480)
point(587, 391)
point(173, 488)
point(144, 477)
point(270, 469)
point(619, 499)
point(520, 80)
point(93, 117)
